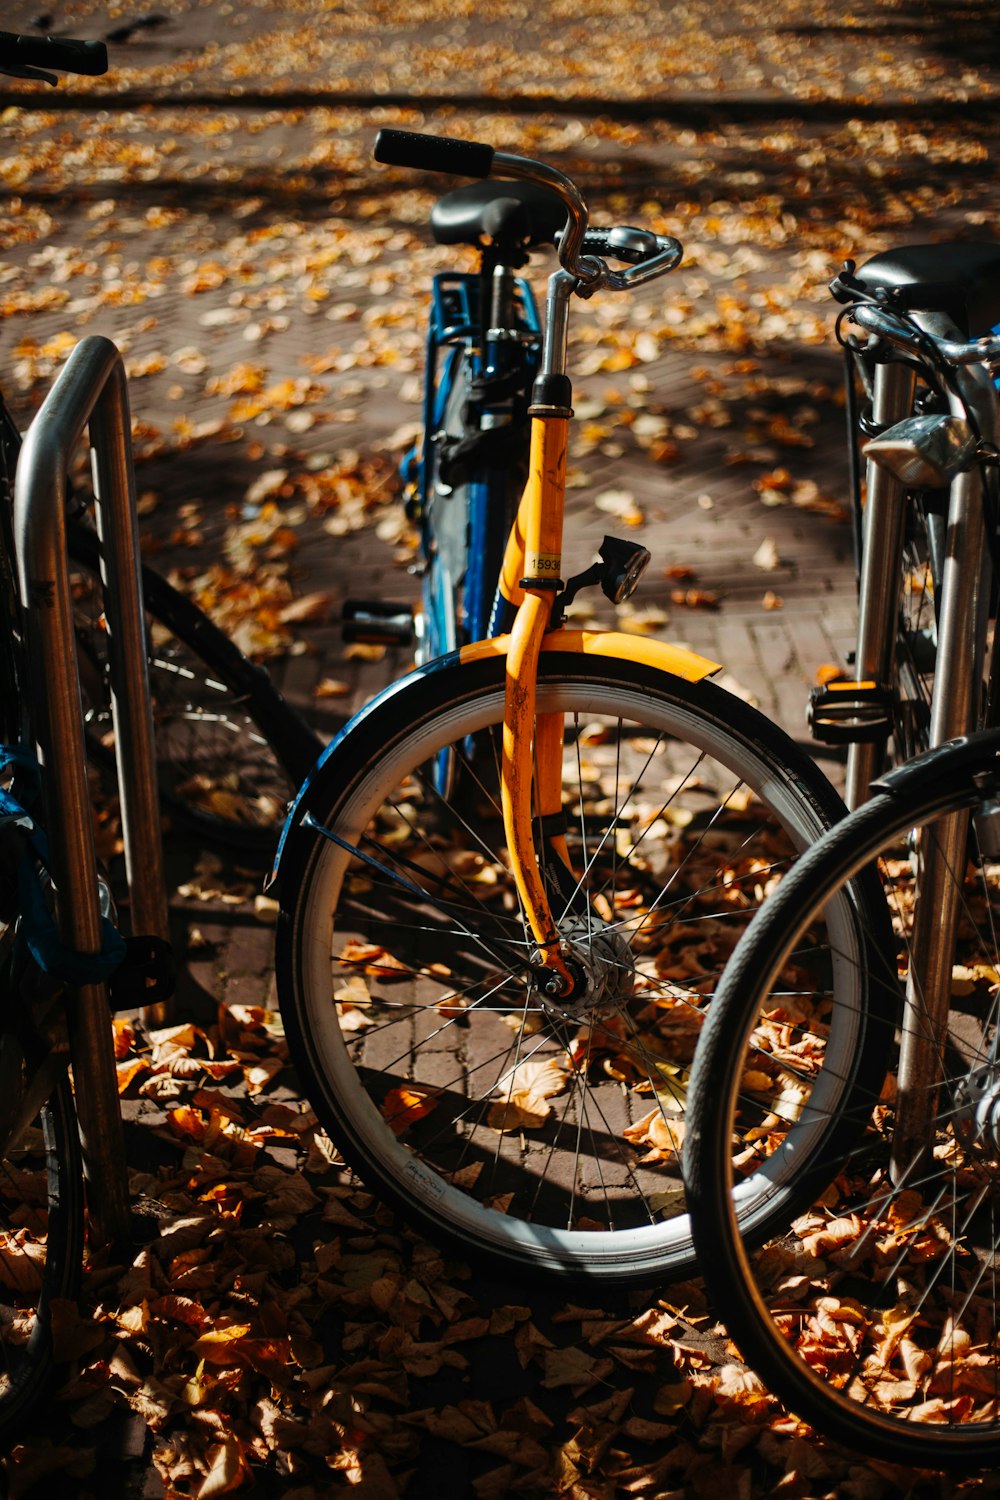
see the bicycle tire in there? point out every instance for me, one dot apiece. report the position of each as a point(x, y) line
point(871, 1339)
point(41, 1236)
point(916, 633)
point(468, 523)
point(696, 777)
point(230, 751)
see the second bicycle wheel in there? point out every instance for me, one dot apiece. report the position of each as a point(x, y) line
point(229, 750)
point(547, 1136)
point(916, 634)
point(876, 1314)
point(41, 1209)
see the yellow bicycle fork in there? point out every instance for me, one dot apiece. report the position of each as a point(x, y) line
point(534, 742)
point(532, 753)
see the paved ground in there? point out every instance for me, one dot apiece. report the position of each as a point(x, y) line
point(267, 285)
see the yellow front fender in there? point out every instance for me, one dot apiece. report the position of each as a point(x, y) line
point(614, 643)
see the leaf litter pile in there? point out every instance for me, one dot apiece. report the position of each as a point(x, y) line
point(276, 1328)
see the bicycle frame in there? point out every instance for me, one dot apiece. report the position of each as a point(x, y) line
point(955, 709)
point(963, 593)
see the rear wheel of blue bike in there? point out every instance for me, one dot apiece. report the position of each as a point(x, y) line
point(469, 522)
point(548, 1136)
point(229, 749)
point(41, 1212)
point(875, 1314)
point(471, 508)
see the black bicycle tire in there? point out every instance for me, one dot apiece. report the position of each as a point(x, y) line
point(918, 575)
point(406, 710)
point(293, 744)
point(22, 1389)
point(708, 1176)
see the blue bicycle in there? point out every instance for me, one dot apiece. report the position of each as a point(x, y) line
point(465, 477)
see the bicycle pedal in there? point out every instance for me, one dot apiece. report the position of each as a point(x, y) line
point(375, 622)
point(849, 713)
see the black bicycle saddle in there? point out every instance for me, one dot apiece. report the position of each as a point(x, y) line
point(507, 212)
point(962, 280)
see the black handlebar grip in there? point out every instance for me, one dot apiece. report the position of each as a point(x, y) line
point(67, 55)
point(433, 153)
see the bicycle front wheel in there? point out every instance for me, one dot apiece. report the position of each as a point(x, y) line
point(875, 1315)
point(542, 1136)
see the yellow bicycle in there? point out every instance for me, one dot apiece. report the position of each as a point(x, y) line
point(493, 981)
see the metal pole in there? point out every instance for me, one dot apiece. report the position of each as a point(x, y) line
point(118, 526)
point(90, 385)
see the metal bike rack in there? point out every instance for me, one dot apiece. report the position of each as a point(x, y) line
point(90, 392)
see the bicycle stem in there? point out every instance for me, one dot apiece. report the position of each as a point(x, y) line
point(553, 367)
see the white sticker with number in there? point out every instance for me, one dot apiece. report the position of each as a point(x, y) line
point(542, 565)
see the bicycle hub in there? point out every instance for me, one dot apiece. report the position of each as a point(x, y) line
point(602, 956)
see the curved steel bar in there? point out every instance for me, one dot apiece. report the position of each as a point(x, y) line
point(90, 390)
point(585, 268)
point(888, 325)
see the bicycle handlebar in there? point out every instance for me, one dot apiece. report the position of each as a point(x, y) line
point(433, 153)
point(649, 254)
point(436, 153)
point(64, 53)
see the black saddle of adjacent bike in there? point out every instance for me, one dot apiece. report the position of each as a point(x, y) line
point(962, 280)
point(507, 212)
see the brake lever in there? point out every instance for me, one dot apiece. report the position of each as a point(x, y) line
point(667, 259)
point(888, 325)
point(634, 246)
